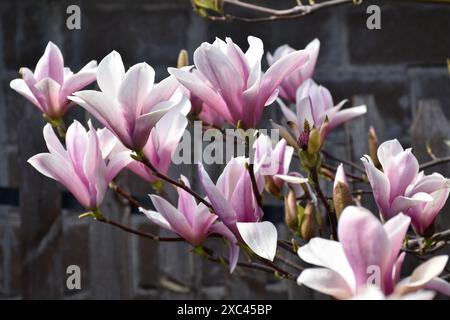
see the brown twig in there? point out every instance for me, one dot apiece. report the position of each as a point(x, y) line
point(156, 173)
point(349, 163)
point(121, 192)
point(290, 263)
point(331, 215)
point(275, 14)
point(137, 232)
point(434, 162)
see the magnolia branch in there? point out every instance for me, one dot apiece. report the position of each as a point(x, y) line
point(269, 14)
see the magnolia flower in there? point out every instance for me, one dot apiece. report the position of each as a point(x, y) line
point(232, 196)
point(201, 110)
point(367, 254)
point(129, 104)
point(316, 109)
point(401, 188)
point(162, 143)
point(191, 221)
point(50, 84)
point(289, 85)
point(232, 83)
point(271, 161)
point(82, 168)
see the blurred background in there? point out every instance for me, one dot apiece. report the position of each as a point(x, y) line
point(400, 72)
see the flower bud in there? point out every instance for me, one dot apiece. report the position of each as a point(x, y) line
point(307, 227)
point(271, 186)
point(290, 210)
point(324, 129)
point(314, 141)
point(183, 59)
point(342, 196)
point(373, 147)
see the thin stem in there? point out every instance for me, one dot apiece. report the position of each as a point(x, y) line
point(348, 174)
point(290, 263)
point(208, 254)
point(258, 197)
point(276, 268)
point(156, 173)
point(331, 216)
point(137, 232)
point(434, 162)
point(349, 163)
point(121, 192)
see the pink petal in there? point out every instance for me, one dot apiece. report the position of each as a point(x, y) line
point(186, 202)
point(116, 163)
point(105, 110)
point(202, 91)
point(52, 141)
point(261, 237)
point(221, 206)
point(22, 88)
point(156, 218)
point(77, 82)
point(325, 281)
point(364, 241)
point(50, 65)
point(110, 74)
point(218, 69)
point(56, 168)
point(174, 217)
point(50, 89)
point(329, 254)
point(161, 91)
point(380, 186)
point(221, 229)
point(134, 89)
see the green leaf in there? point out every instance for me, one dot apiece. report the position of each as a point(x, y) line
point(203, 5)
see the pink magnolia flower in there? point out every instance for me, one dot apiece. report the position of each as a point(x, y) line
point(232, 197)
point(290, 84)
point(82, 167)
point(233, 200)
point(162, 143)
point(191, 221)
point(401, 188)
point(129, 104)
point(201, 110)
point(50, 84)
point(367, 254)
point(235, 87)
point(315, 106)
point(272, 161)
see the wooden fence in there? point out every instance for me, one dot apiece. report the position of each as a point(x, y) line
point(41, 234)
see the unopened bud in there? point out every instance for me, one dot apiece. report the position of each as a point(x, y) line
point(314, 141)
point(307, 227)
point(324, 128)
point(183, 59)
point(342, 196)
point(290, 210)
point(373, 147)
point(271, 186)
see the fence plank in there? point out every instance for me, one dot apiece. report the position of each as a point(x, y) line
point(41, 221)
